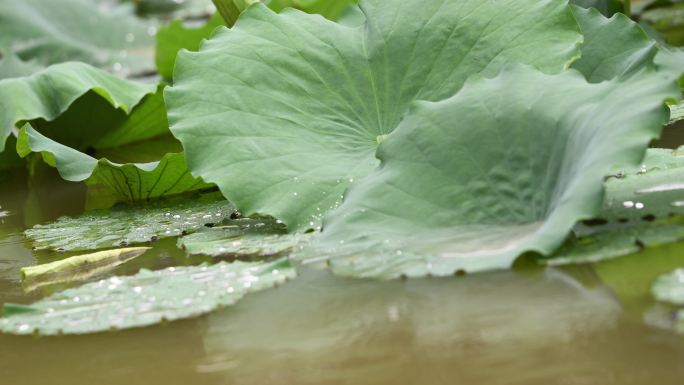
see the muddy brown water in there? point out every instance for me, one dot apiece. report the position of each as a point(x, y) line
point(580, 325)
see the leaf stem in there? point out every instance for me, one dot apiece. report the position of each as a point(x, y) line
point(230, 10)
point(627, 7)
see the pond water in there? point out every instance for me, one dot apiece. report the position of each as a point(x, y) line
point(580, 325)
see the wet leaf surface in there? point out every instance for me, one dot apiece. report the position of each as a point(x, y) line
point(124, 225)
point(147, 298)
point(244, 238)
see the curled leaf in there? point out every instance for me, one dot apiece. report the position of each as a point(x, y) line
point(80, 263)
point(507, 165)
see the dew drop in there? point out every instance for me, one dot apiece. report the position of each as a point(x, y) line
point(130, 37)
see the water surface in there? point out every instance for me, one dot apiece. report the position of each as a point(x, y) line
point(581, 325)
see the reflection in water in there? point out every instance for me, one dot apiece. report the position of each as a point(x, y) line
point(324, 330)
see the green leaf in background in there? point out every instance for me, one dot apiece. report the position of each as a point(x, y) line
point(126, 225)
point(49, 93)
point(244, 237)
point(284, 111)
point(13, 67)
point(99, 33)
point(176, 36)
point(507, 165)
point(330, 9)
point(175, 9)
point(147, 298)
point(612, 47)
point(230, 10)
point(606, 7)
point(668, 21)
point(671, 59)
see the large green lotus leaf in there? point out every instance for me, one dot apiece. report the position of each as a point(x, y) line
point(244, 237)
point(131, 224)
point(49, 93)
point(443, 202)
point(670, 288)
point(612, 47)
point(176, 36)
point(147, 298)
point(101, 34)
point(283, 111)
